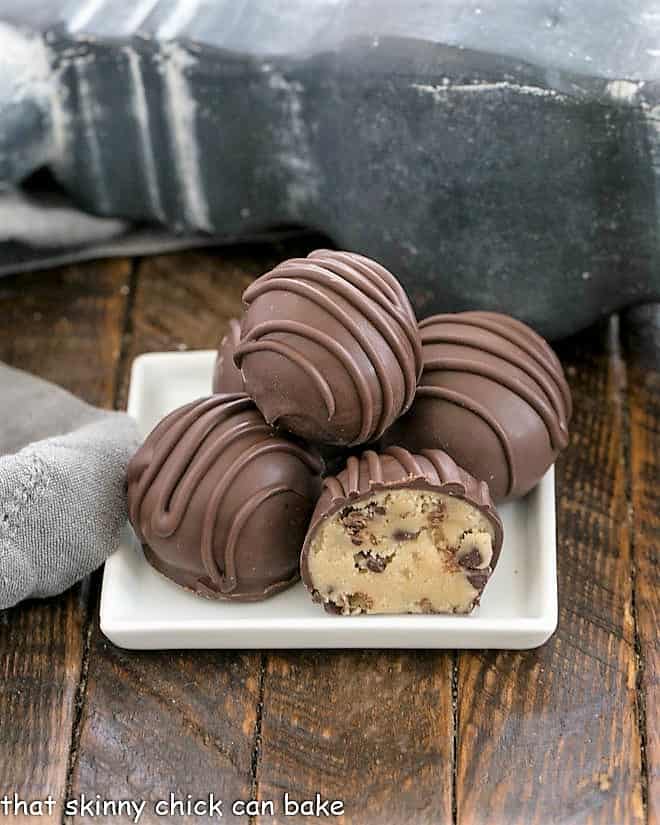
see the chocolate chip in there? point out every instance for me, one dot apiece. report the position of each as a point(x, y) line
point(426, 606)
point(404, 535)
point(376, 563)
point(472, 559)
point(331, 607)
point(366, 560)
point(359, 601)
point(354, 525)
point(356, 542)
point(478, 580)
point(438, 515)
point(382, 511)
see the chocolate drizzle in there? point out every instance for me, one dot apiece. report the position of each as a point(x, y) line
point(501, 371)
point(351, 309)
point(461, 399)
point(397, 466)
point(541, 365)
point(227, 581)
point(224, 437)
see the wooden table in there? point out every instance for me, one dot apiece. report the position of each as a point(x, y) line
point(568, 733)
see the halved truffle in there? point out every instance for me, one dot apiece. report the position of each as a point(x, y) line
point(401, 533)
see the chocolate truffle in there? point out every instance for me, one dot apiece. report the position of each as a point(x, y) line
point(492, 395)
point(330, 348)
point(401, 533)
point(221, 503)
point(226, 375)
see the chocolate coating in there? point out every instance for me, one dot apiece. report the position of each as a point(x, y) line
point(363, 496)
point(220, 502)
point(493, 395)
point(226, 375)
point(330, 348)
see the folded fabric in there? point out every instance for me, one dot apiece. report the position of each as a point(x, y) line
point(62, 486)
point(43, 227)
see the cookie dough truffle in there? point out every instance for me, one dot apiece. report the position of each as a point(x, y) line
point(330, 348)
point(493, 395)
point(401, 533)
point(226, 375)
point(221, 503)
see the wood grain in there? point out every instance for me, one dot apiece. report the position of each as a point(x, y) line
point(642, 348)
point(551, 736)
point(64, 325)
point(374, 730)
point(161, 723)
point(175, 722)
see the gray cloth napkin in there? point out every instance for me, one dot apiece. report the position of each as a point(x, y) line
point(62, 486)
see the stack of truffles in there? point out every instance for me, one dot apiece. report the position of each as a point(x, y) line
point(423, 425)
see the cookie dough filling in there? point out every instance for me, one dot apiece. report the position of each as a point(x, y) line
point(402, 551)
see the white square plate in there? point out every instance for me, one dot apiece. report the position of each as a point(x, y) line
point(141, 609)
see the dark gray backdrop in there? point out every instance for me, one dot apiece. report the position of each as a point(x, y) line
point(497, 154)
